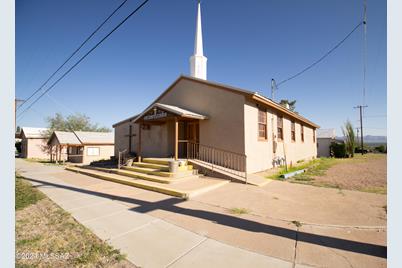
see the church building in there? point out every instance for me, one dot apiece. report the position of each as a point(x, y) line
point(216, 126)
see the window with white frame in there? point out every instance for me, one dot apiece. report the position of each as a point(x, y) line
point(93, 151)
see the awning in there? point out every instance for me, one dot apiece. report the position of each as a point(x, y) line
point(160, 111)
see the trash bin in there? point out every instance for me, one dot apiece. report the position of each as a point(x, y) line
point(173, 166)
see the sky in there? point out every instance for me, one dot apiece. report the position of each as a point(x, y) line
point(247, 43)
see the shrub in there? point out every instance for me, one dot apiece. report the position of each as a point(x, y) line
point(338, 150)
point(381, 149)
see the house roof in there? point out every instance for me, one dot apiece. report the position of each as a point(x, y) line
point(326, 133)
point(174, 110)
point(86, 137)
point(64, 137)
point(125, 120)
point(250, 94)
point(35, 132)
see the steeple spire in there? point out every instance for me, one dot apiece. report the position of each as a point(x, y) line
point(198, 63)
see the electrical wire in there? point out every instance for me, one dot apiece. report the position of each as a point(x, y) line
point(83, 57)
point(75, 52)
point(322, 58)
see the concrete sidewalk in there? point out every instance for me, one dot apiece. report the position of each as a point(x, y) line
point(148, 241)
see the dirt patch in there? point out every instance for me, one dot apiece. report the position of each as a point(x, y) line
point(366, 173)
point(47, 236)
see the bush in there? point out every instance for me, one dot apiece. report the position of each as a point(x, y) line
point(18, 146)
point(338, 150)
point(381, 149)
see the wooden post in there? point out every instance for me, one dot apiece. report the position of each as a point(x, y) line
point(139, 142)
point(176, 138)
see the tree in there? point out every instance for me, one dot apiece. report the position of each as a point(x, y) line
point(349, 133)
point(76, 122)
point(292, 104)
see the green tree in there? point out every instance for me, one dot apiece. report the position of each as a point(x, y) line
point(292, 104)
point(76, 122)
point(349, 133)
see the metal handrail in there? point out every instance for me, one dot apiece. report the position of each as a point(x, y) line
point(228, 161)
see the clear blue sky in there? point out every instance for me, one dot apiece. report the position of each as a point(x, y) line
point(247, 43)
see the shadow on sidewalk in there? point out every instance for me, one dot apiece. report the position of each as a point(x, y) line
point(169, 204)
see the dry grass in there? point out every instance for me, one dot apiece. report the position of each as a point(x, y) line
point(366, 173)
point(47, 236)
point(239, 211)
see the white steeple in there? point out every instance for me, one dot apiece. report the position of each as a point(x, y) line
point(198, 63)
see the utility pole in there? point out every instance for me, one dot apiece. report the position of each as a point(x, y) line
point(16, 102)
point(357, 133)
point(361, 107)
point(273, 88)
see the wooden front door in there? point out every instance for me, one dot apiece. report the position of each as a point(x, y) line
point(189, 132)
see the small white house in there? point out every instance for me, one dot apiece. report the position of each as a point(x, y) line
point(324, 139)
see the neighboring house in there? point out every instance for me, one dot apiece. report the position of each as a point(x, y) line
point(33, 142)
point(324, 139)
point(81, 146)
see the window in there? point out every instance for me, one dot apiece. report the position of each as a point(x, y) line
point(313, 135)
point(293, 131)
point(93, 151)
point(279, 123)
point(302, 133)
point(262, 124)
point(70, 150)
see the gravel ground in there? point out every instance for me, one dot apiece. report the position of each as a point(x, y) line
point(364, 173)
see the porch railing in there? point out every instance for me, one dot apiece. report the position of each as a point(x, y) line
point(219, 159)
point(122, 158)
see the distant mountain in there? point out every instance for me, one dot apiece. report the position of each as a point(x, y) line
point(371, 139)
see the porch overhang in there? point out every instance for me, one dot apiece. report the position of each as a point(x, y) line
point(158, 112)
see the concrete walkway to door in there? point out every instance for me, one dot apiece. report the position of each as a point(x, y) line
point(113, 212)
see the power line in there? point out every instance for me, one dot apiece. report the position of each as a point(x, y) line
point(364, 49)
point(83, 57)
point(75, 52)
point(323, 57)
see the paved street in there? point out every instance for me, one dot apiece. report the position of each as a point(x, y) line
point(329, 229)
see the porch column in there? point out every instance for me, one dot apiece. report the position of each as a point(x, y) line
point(139, 142)
point(176, 138)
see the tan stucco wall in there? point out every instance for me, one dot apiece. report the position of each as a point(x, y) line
point(260, 153)
point(33, 148)
point(225, 119)
point(121, 141)
point(105, 152)
point(232, 125)
point(224, 127)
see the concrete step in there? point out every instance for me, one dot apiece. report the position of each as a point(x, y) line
point(139, 175)
point(143, 184)
point(184, 189)
point(157, 172)
point(160, 161)
point(161, 167)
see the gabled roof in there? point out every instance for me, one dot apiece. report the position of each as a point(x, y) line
point(174, 110)
point(35, 132)
point(86, 137)
point(250, 94)
point(64, 137)
point(326, 133)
